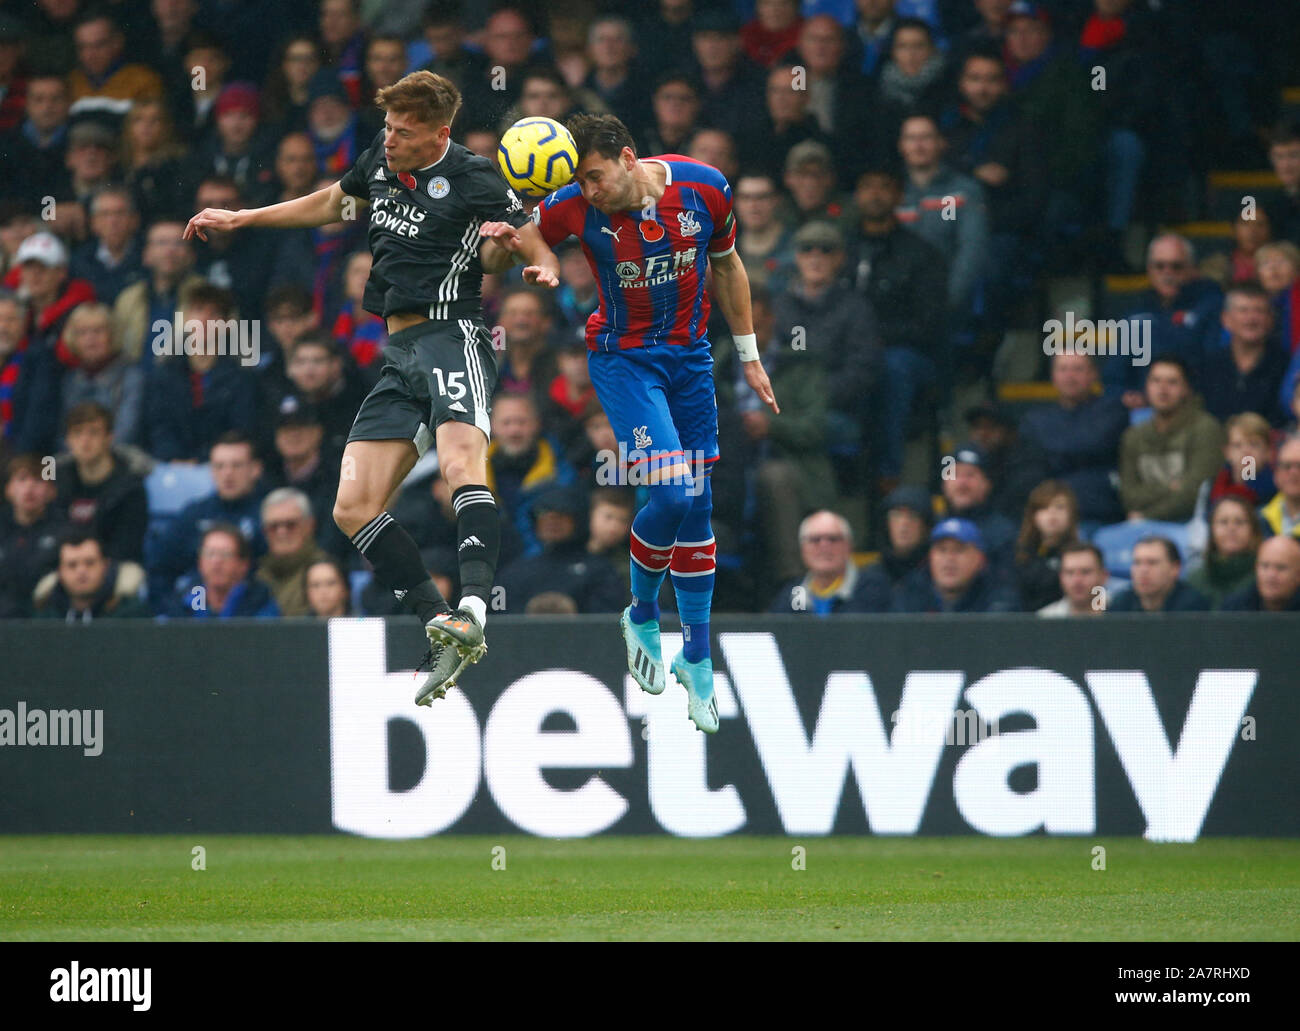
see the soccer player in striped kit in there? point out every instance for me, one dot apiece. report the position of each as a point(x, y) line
point(649, 228)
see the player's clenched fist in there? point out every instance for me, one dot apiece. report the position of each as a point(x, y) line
point(211, 218)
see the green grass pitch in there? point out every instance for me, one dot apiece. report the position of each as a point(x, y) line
point(317, 888)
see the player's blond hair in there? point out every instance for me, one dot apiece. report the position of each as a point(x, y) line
point(431, 98)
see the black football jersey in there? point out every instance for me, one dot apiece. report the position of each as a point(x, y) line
point(424, 229)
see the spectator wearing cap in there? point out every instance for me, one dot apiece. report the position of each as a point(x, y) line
point(786, 123)
point(97, 487)
point(945, 208)
point(1083, 580)
point(168, 261)
point(1053, 91)
point(102, 374)
point(560, 522)
point(192, 399)
point(1155, 584)
point(103, 80)
point(237, 150)
point(763, 239)
point(1051, 522)
point(821, 312)
point(968, 494)
point(236, 499)
point(1247, 374)
point(1079, 435)
point(1229, 561)
point(110, 260)
point(1281, 514)
point(909, 515)
point(31, 525)
point(89, 585)
point(289, 525)
point(91, 162)
point(302, 461)
point(833, 583)
point(1164, 461)
point(29, 384)
point(732, 85)
point(40, 273)
point(331, 124)
point(785, 453)
point(1276, 586)
point(812, 184)
point(1016, 465)
point(222, 588)
point(33, 154)
point(956, 576)
point(904, 279)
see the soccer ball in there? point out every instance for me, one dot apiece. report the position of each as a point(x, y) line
point(537, 156)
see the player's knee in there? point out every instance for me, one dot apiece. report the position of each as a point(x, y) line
point(350, 515)
point(673, 499)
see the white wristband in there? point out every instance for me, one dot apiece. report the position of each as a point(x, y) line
point(746, 346)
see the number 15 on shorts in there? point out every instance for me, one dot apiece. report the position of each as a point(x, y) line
point(454, 387)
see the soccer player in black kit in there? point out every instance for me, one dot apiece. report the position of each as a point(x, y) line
point(428, 198)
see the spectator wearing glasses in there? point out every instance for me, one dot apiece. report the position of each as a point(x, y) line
point(832, 584)
point(290, 529)
point(1183, 310)
point(1282, 513)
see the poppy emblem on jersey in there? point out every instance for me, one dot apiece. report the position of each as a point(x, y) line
point(686, 219)
point(651, 231)
point(406, 179)
point(438, 187)
point(627, 269)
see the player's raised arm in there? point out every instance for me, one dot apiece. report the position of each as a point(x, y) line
point(316, 209)
point(731, 291)
point(504, 245)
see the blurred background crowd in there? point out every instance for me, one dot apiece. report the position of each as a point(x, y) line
point(919, 185)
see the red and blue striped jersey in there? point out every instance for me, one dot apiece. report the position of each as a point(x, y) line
point(650, 272)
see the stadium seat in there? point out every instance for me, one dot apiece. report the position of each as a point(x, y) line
point(173, 485)
point(1116, 542)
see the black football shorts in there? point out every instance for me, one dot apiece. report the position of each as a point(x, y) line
point(433, 371)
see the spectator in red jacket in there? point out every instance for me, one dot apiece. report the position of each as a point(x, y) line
point(773, 31)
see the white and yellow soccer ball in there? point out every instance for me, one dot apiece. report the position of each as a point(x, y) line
point(537, 156)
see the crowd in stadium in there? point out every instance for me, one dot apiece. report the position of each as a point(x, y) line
point(909, 178)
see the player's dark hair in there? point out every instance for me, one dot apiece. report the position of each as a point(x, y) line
point(1171, 549)
point(87, 412)
point(242, 548)
point(602, 134)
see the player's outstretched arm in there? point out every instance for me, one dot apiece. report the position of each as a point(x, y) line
point(731, 291)
point(504, 245)
point(316, 209)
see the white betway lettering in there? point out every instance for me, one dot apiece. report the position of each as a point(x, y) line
point(106, 984)
point(1060, 747)
point(1174, 790)
point(806, 772)
point(807, 778)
